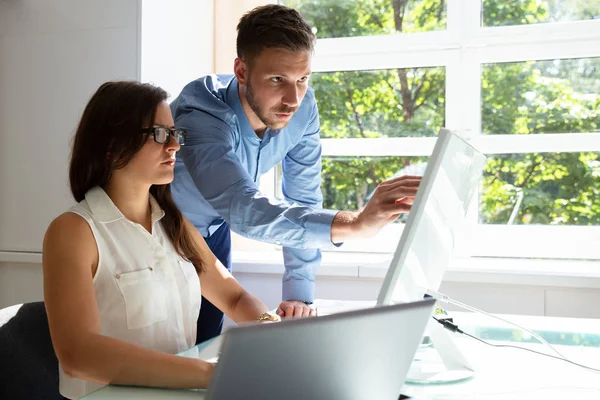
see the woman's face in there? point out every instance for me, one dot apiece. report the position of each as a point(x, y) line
point(154, 163)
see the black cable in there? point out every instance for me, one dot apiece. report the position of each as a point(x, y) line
point(454, 328)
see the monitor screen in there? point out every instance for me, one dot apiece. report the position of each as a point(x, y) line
point(436, 221)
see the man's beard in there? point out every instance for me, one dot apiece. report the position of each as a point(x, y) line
point(260, 112)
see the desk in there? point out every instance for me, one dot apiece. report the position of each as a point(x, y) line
point(501, 373)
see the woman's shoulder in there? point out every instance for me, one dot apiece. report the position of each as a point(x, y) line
point(76, 218)
point(70, 233)
point(74, 223)
point(69, 244)
point(70, 223)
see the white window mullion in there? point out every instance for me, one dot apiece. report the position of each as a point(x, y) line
point(464, 92)
point(468, 86)
point(538, 143)
point(467, 80)
point(381, 147)
point(487, 144)
point(376, 60)
point(384, 44)
point(468, 15)
point(454, 94)
point(506, 52)
point(453, 68)
point(539, 34)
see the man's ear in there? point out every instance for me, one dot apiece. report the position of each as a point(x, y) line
point(240, 68)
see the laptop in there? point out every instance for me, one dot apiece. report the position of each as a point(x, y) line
point(362, 354)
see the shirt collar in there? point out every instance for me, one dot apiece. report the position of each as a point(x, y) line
point(106, 211)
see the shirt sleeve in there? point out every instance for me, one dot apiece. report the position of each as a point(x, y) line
point(302, 185)
point(223, 181)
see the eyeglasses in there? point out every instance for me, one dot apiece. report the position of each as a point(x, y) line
point(163, 135)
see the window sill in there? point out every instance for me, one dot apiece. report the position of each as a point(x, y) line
point(509, 271)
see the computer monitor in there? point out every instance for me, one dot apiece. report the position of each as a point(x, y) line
point(436, 221)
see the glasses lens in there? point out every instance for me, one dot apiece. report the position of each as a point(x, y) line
point(160, 135)
point(180, 136)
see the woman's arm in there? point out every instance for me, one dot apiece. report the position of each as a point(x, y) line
point(221, 288)
point(70, 258)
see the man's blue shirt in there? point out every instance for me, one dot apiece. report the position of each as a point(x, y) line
point(218, 171)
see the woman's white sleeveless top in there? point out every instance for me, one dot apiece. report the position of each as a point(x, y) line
point(146, 293)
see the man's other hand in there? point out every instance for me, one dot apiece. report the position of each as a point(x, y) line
point(295, 309)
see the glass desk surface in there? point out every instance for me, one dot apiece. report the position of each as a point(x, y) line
point(500, 373)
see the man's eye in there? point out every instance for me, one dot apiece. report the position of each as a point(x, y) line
point(276, 79)
point(303, 79)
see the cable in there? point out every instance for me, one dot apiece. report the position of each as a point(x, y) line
point(454, 328)
point(446, 299)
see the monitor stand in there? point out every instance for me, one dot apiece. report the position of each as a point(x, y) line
point(440, 362)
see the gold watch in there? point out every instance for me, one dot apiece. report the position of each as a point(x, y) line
point(268, 317)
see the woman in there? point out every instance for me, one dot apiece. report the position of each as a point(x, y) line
point(122, 268)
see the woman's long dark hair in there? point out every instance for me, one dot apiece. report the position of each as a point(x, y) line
point(109, 135)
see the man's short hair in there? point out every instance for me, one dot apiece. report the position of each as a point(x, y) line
point(272, 26)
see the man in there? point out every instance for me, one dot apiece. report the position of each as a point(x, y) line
point(239, 127)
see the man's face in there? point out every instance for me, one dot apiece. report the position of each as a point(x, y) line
point(276, 83)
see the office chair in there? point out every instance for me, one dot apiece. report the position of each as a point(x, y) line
point(28, 364)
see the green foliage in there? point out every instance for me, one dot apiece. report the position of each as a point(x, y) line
point(523, 12)
point(513, 12)
point(557, 188)
point(347, 18)
point(537, 97)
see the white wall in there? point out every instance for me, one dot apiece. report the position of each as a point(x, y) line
point(20, 283)
point(53, 56)
point(227, 16)
point(177, 42)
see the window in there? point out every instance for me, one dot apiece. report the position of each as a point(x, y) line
point(534, 97)
point(560, 96)
point(518, 78)
point(399, 102)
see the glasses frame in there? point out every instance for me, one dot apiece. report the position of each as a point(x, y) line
point(182, 134)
